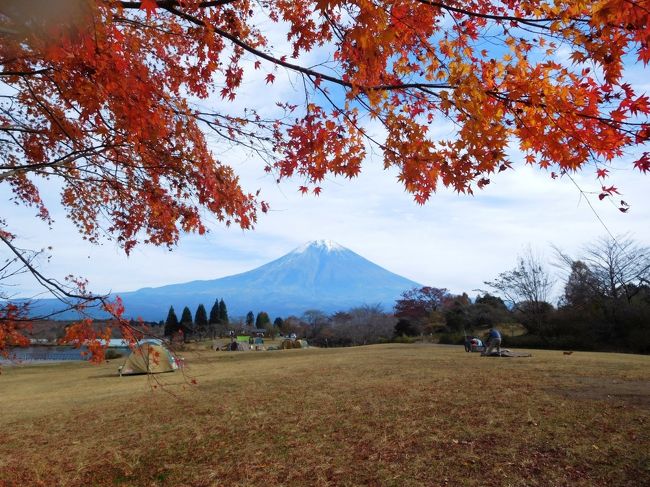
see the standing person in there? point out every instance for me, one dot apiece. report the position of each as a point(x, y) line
point(468, 343)
point(493, 340)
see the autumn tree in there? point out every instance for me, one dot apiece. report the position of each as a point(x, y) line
point(419, 309)
point(314, 317)
point(99, 98)
point(405, 327)
point(456, 311)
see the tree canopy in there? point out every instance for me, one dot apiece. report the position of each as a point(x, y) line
point(100, 96)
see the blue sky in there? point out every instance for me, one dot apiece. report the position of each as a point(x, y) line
point(454, 241)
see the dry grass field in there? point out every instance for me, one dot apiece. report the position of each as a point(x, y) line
point(389, 415)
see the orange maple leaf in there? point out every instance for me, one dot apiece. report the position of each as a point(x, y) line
point(149, 6)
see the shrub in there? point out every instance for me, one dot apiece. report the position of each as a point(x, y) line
point(112, 354)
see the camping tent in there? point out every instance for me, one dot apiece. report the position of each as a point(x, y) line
point(288, 343)
point(149, 358)
point(239, 346)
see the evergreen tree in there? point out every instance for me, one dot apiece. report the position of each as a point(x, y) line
point(186, 321)
point(213, 321)
point(223, 313)
point(200, 320)
point(214, 314)
point(171, 323)
point(262, 320)
point(186, 316)
point(250, 319)
point(278, 322)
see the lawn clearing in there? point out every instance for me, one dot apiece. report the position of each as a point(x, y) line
point(379, 415)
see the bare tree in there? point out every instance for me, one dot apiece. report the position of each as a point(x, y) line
point(363, 325)
point(527, 288)
point(607, 288)
point(615, 267)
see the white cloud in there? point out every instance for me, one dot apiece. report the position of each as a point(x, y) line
point(454, 241)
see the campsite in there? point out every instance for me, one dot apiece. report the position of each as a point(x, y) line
point(324, 243)
point(394, 414)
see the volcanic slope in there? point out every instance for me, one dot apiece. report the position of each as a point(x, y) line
point(318, 275)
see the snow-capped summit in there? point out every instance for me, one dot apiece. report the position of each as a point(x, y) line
point(323, 245)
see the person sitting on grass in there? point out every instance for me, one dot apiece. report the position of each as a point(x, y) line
point(493, 340)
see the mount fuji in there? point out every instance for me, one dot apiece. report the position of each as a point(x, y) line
point(319, 275)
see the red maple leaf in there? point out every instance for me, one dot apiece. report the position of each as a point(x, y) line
point(602, 173)
point(611, 190)
point(269, 78)
point(643, 164)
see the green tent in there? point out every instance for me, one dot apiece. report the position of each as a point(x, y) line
point(149, 358)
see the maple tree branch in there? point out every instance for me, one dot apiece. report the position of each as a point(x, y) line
point(298, 68)
point(522, 20)
point(50, 284)
point(20, 129)
point(68, 158)
point(618, 125)
point(638, 5)
point(175, 3)
point(47, 110)
point(24, 73)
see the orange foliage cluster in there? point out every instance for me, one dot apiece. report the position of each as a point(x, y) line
point(100, 97)
point(13, 326)
point(95, 337)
